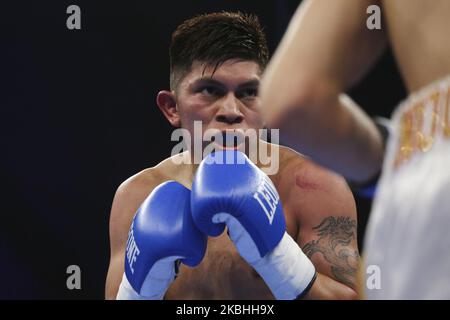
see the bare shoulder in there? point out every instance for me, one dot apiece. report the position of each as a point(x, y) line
point(313, 192)
point(132, 192)
point(127, 199)
point(129, 196)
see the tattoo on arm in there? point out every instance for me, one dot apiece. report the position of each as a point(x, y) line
point(336, 235)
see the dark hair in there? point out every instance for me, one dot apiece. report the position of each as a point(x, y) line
point(214, 38)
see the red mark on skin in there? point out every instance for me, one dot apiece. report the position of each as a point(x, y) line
point(305, 184)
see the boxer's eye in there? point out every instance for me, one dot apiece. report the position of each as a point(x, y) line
point(210, 91)
point(250, 92)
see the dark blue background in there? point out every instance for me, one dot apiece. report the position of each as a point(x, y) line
point(78, 116)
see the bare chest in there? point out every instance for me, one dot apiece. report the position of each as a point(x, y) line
point(223, 274)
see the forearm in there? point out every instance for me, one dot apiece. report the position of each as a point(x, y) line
point(326, 288)
point(114, 276)
point(337, 134)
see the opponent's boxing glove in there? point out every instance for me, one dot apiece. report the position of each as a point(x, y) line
point(162, 232)
point(243, 197)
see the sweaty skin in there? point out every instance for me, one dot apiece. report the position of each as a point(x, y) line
point(320, 214)
point(418, 33)
point(326, 50)
point(318, 205)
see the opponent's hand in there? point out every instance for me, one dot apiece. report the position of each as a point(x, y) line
point(161, 233)
point(243, 197)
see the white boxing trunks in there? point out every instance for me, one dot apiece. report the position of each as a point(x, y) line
point(408, 235)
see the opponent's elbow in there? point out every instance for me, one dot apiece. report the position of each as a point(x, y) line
point(296, 98)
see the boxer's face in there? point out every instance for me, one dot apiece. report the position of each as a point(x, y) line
point(225, 100)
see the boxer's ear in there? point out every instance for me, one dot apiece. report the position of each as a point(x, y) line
point(167, 104)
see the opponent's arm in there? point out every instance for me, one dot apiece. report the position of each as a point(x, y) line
point(326, 49)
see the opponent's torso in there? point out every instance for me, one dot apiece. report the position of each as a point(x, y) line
point(418, 33)
point(408, 236)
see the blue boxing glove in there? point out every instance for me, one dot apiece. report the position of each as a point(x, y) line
point(242, 197)
point(161, 233)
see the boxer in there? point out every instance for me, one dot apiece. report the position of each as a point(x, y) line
point(160, 250)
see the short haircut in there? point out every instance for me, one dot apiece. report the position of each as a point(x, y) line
point(215, 38)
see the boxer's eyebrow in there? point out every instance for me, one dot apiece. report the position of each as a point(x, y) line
point(250, 83)
point(213, 82)
point(207, 81)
